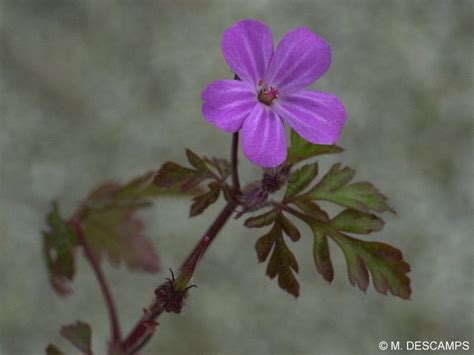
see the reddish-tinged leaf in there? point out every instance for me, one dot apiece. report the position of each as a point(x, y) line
point(265, 243)
point(300, 179)
point(111, 228)
point(59, 244)
point(172, 174)
point(221, 166)
point(321, 255)
point(53, 350)
point(201, 202)
point(385, 263)
point(115, 231)
point(282, 261)
point(354, 221)
point(301, 149)
point(141, 254)
point(79, 335)
point(312, 210)
point(197, 161)
point(261, 220)
point(289, 228)
point(361, 196)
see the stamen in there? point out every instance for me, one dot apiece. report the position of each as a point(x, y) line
point(267, 96)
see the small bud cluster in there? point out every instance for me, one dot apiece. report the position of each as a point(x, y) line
point(171, 298)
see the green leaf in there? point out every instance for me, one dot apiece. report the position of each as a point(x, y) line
point(385, 263)
point(361, 196)
point(312, 210)
point(300, 179)
point(59, 244)
point(289, 228)
point(197, 161)
point(321, 255)
point(282, 262)
point(264, 244)
point(201, 202)
point(261, 220)
point(172, 174)
point(301, 149)
point(354, 221)
point(53, 350)
point(221, 166)
point(79, 335)
point(111, 228)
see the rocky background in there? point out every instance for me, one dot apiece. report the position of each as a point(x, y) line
point(97, 90)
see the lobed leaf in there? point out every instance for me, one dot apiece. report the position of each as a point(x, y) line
point(384, 262)
point(321, 255)
point(289, 228)
point(79, 335)
point(111, 228)
point(300, 179)
point(196, 161)
point(261, 220)
point(300, 149)
point(312, 210)
point(354, 221)
point(282, 260)
point(115, 231)
point(203, 201)
point(361, 196)
point(59, 244)
point(172, 174)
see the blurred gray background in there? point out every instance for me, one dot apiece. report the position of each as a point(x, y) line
point(98, 90)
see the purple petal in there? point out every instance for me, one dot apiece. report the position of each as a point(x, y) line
point(228, 103)
point(317, 116)
point(301, 58)
point(248, 47)
point(263, 137)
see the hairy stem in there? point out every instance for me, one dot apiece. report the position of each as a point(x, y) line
point(144, 329)
point(108, 298)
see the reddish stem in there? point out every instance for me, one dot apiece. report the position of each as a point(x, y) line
point(234, 161)
point(109, 300)
point(142, 332)
point(140, 335)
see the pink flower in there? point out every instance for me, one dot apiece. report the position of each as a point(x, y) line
point(272, 91)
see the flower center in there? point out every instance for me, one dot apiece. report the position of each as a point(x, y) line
point(266, 94)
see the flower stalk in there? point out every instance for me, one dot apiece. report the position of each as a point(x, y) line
point(104, 287)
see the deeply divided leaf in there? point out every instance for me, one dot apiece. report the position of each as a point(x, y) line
point(203, 201)
point(335, 187)
point(59, 244)
point(354, 221)
point(301, 149)
point(261, 220)
point(282, 262)
point(300, 179)
point(384, 262)
point(321, 255)
point(111, 227)
point(174, 175)
point(115, 232)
